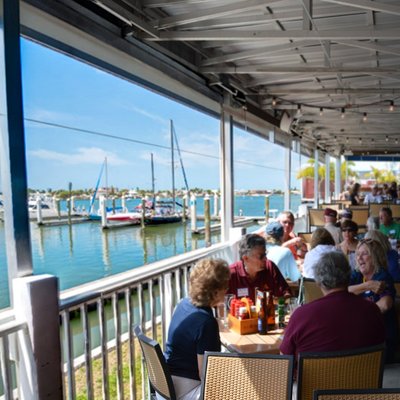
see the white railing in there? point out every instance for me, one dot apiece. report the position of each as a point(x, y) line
point(97, 321)
point(14, 341)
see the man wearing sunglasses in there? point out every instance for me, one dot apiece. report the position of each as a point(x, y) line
point(254, 270)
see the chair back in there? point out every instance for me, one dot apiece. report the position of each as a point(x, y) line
point(355, 369)
point(395, 210)
point(229, 376)
point(157, 370)
point(309, 291)
point(335, 206)
point(374, 209)
point(316, 217)
point(360, 217)
point(358, 394)
point(306, 236)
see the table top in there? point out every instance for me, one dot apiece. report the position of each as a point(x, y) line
point(251, 343)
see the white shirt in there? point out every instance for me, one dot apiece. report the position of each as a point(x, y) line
point(370, 198)
point(312, 258)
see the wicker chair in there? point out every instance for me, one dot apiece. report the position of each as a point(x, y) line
point(228, 376)
point(157, 371)
point(355, 369)
point(357, 394)
point(309, 291)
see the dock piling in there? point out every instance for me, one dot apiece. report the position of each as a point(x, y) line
point(193, 213)
point(207, 220)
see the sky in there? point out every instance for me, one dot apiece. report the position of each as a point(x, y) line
point(76, 115)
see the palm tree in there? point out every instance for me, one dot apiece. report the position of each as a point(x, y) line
point(308, 170)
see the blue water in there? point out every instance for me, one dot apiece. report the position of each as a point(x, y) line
point(82, 253)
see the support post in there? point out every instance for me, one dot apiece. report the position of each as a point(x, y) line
point(184, 207)
point(288, 170)
point(193, 213)
point(207, 221)
point(39, 216)
point(142, 219)
point(12, 145)
point(216, 203)
point(338, 178)
point(316, 165)
point(36, 302)
point(103, 212)
point(327, 178)
point(266, 208)
point(123, 204)
point(226, 148)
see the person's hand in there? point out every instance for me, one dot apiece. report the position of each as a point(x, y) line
point(376, 286)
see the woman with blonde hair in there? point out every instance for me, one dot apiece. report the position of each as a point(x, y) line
point(193, 329)
point(321, 242)
point(391, 255)
point(372, 281)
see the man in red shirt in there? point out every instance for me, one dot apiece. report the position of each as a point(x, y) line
point(338, 321)
point(254, 270)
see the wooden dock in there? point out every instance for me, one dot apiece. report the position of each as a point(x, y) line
point(239, 222)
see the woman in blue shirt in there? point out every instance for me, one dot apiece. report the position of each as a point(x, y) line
point(193, 329)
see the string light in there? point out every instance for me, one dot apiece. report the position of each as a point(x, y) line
point(360, 140)
point(321, 111)
point(396, 141)
point(387, 138)
point(347, 140)
point(365, 117)
point(273, 101)
point(391, 107)
point(342, 112)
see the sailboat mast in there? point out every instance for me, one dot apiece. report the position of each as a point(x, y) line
point(172, 164)
point(152, 181)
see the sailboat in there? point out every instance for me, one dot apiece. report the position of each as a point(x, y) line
point(164, 211)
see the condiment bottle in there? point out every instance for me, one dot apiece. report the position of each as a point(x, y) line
point(262, 316)
point(281, 312)
point(270, 311)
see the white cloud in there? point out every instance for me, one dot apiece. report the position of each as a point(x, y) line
point(84, 155)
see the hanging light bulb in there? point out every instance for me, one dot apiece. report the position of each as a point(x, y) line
point(360, 140)
point(273, 101)
point(391, 107)
point(347, 140)
point(387, 138)
point(321, 111)
point(396, 141)
point(342, 112)
point(365, 117)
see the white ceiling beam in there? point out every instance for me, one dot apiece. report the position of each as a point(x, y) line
point(257, 19)
point(283, 91)
point(368, 5)
point(356, 33)
point(296, 69)
point(258, 52)
point(213, 12)
point(369, 46)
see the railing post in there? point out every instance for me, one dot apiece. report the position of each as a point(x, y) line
point(36, 302)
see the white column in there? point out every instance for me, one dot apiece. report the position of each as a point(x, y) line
point(123, 204)
point(216, 203)
point(226, 170)
point(36, 302)
point(103, 211)
point(327, 178)
point(288, 168)
point(338, 178)
point(39, 210)
point(193, 213)
point(316, 178)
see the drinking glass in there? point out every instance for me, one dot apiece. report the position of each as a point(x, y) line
point(227, 306)
point(292, 305)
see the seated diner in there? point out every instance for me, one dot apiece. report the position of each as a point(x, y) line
point(337, 321)
point(372, 282)
point(193, 329)
point(254, 270)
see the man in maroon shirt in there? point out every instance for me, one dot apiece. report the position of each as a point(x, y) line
point(254, 270)
point(338, 321)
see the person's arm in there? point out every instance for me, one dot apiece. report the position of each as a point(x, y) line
point(200, 365)
point(296, 241)
point(385, 303)
point(374, 286)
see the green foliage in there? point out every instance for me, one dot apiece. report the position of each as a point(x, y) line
point(308, 170)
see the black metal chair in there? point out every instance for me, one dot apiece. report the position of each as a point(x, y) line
point(157, 370)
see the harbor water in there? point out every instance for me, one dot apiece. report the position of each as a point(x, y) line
point(82, 253)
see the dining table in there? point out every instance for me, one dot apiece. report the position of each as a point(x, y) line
point(250, 343)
